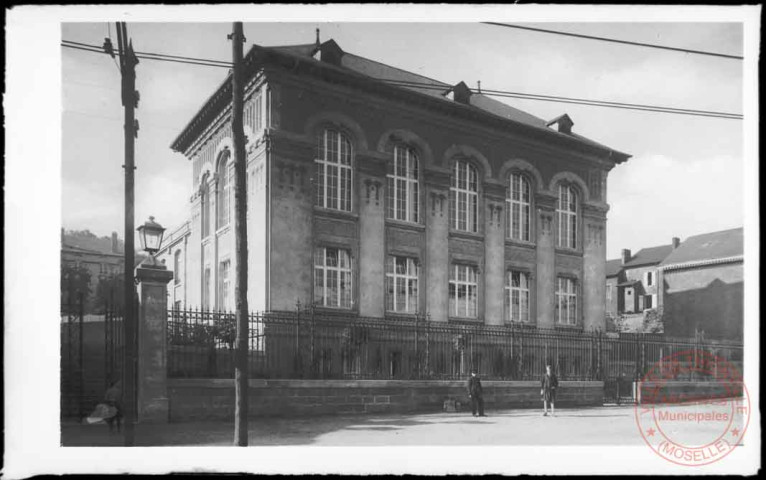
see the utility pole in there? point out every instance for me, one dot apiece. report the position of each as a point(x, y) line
point(128, 63)
point(240, 206)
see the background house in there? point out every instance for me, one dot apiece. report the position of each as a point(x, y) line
point(702, 286)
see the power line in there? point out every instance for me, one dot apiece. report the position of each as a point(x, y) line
point(443, 88)
point(579, 101)
point(614, 40)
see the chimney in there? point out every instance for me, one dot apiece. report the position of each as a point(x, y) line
point(675, 242)
point(625, 255)
point(115, 243)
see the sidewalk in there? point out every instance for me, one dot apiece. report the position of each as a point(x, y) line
point(592, 426)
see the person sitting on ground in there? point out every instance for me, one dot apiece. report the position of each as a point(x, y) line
point(113, 398)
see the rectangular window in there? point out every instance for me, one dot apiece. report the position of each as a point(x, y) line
point(517, 296)
point(332, 277)
point(463, 291)
point(402, 284)
point(649, 279)
point(258, 114)
point(566, 301)
point(608, 294)
point(224, 286)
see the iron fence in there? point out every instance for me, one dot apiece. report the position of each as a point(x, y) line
point(311, 344)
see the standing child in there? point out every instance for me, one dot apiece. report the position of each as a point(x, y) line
point(548, 386)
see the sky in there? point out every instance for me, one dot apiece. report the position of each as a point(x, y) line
point(685, 176)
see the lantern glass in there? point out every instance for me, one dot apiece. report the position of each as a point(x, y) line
point(150, 235)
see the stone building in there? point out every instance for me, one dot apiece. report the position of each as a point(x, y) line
point(102, 257)
point(378, 192)
point(702, 286)
point(631, 280)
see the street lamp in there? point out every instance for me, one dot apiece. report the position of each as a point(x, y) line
point(150, 235)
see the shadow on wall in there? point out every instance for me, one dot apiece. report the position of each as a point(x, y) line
point(717, 309)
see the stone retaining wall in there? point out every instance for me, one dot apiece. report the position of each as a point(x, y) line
point(196, 399)
point(679, 392)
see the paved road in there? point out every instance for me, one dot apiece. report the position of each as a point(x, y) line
point(590, 426)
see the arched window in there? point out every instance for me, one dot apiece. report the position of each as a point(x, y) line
point(205, 207)
point(333, 170)
point(566, 216)
point(177, 267)
point(223, 194)
point(518, 201)
point(464, 197)
point(403, 188)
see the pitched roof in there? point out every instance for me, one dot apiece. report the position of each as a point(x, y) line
point(708, 246)
point(649, 256)
point(396, 77)
point(613, 267)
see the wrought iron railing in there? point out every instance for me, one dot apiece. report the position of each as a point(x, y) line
point(313, 344)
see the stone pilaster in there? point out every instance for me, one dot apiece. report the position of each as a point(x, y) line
point(152, 389)
point(371, 245)
point(545, 264)
point(437, 245)
point(494, 262)
point(594, 268)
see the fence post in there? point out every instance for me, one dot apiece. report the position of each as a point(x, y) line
point(152, 391)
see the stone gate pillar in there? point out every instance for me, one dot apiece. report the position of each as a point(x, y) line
point(151, 388)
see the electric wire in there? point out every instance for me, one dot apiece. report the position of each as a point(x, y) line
point(614, 40)
point(444, 88)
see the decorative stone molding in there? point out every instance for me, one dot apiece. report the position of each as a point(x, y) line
point(495, 213)
point(437, 203)
point(546, 222)
point(456, 152)
point(571, 178)
point(522, 166)
point(340, 121)
point(595, 234)
point(370, 186)
point(406, 137)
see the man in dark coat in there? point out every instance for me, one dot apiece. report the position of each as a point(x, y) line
point(475, 394)
point(548, 386)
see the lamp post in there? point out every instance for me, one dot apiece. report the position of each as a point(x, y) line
point(150, 235)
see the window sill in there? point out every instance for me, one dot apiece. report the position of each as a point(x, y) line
point(223, 230)
point(569, 251)
point(390, 222)
point(520, 243)
point(403, 317)
point(329, 212)
point(343, 311)
point(466, 235)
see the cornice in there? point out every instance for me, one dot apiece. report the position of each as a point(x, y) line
point(701, 263)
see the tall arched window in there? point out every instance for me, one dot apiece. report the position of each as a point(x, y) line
point(464, 197)
point(333, 170)
point(566, 216)
point(518, 204)
point(223, 194)
point(205, 207)
point(403, 188)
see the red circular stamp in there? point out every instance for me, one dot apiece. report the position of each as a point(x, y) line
point(692, 408)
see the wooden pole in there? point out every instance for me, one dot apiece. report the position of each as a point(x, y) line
point(128, 63)
point(240, 203)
